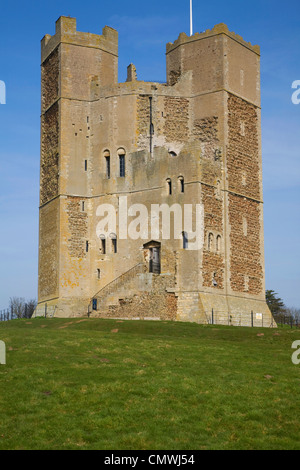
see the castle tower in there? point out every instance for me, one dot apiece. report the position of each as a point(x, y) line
point(194, 140)
point(74, 65)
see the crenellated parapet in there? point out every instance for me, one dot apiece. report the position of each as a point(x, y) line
point(220, 28)
point(66, 32)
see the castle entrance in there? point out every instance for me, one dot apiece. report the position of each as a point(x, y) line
point(153, 256)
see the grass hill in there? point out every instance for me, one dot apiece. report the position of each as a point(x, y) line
point(112, 384)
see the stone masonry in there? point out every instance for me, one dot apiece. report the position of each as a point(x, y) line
point(195, 139)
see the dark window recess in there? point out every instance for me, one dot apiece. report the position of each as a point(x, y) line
point(169, 186)
point(85, 165)
point(107, 159)
point(86, 246)
point(114, 245)
point(103, 246)
point(185, 240)
point(82, 205)
point(98, 273)
point(94, 304)
point(122, 165)
point(181, 180)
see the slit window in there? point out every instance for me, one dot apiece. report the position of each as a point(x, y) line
point(87, 246)
point(98, 273)
point(185, 241)
point(122, 165)
point(181, 182)
point(107, 163)
point(169, 186)
point(114, 245)
point(103, 246)
point(85, 165)
point(107, 160)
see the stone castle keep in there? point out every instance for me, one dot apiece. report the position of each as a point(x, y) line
point(194, 139)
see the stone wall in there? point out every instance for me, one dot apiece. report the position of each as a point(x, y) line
point(49, 154)
point(176, 127)
point(49, 251)
point(50, 79)
point(243, 148)
point(78, 228)
point(245, 256)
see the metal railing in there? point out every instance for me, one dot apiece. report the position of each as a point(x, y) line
point(6, 315)
point(250, 319)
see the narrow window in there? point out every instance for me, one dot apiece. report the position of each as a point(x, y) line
point(114, 245)
point(107, 159)
point(98, 273)
point(82, 206)
point(86, 246)
point(185, 240)
point(122, 165)
point(169, 185)
point(107, 163)
point(85, 165)
point(181, 182)
point(103, 246)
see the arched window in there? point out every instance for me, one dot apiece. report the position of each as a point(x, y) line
point(181, 182)
point(113, 237)
point(169, 185)
point(107, 163)
point(103, 244)
point(210, 241)
point(121, 153)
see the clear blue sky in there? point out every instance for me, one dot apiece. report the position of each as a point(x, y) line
point(144, 29)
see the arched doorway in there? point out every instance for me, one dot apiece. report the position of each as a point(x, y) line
point(153, 256)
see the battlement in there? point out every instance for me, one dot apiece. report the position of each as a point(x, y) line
point(66, 32)
point(221, 28)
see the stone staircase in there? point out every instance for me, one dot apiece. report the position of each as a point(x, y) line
point(136, 279)
point(135, 294)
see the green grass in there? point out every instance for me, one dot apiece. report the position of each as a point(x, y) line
point(151, 385)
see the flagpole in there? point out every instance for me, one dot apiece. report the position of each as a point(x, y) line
point(191, 17)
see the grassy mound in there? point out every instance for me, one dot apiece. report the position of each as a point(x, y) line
point(111, 384)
